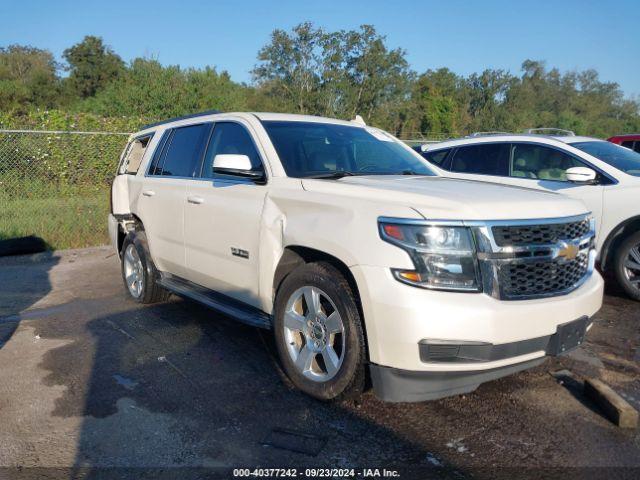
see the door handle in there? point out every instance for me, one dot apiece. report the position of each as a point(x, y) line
point(195, 199)
point(148, 193)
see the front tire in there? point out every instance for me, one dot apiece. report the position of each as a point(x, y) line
point(318, 333)
point(627, 265)
point(138, 271)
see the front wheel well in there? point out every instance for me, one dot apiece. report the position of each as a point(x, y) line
point(615, 238)
point(296, 256)
point(126, 224)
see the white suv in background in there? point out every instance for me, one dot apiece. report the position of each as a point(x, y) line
point(340, 239)
point(605, 176)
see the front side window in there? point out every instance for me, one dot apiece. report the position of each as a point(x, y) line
point(482, 159)
point(619, 157)
point(230, 138)
point(308, 149)
point(541, 162)
point(183, 151)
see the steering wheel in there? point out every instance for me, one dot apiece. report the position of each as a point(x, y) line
point(368, 167)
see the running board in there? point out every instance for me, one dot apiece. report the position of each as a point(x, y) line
point(217, 301)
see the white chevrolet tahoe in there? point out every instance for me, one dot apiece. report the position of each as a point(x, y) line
point(340, 239)
point(605, 176)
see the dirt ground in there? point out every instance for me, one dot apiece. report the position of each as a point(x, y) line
point(93, 385)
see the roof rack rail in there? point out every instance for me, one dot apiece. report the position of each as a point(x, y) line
point(184, 117)
point(550, 131)
point(485, 134)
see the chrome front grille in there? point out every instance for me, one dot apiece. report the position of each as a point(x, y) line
point(519, 235)
point(527, 259)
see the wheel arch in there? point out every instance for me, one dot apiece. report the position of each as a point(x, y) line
point(294, 256)
point(123, 223)
point(616, 236)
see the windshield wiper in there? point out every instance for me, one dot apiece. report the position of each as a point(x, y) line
point(333, 175)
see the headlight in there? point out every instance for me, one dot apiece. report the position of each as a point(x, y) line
point(444, 256)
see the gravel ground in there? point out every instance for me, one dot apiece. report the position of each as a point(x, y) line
point(93, 385)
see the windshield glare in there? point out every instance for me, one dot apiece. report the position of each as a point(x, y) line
point(619, 157)
point(308, 149)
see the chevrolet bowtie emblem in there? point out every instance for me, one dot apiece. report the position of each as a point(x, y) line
point(568, 251)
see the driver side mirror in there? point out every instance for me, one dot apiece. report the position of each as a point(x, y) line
point(581, 175)
point(238, 165)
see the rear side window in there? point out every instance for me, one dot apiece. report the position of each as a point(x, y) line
point(230, 138)
point(183, 151)
point(133, 155)
point(628, 144)
point(437, 157)
point(487, 159)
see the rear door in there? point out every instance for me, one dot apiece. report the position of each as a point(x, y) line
point(163, 197)
point(222, 219)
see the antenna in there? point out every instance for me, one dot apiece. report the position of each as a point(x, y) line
point(359, 120)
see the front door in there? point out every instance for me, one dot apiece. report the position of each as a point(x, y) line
point(222, 220)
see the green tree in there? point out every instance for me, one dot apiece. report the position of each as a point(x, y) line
point(290, 67)
point(153, 91)
point(92, 65)
point(340, 74)
point(441, 102)
point(27, 78)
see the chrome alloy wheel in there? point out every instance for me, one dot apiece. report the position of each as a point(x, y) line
point(632, 266)
point(314, 334)
point(133, 271)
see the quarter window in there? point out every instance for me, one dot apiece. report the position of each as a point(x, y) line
point(540, 162)
point(184, 150)
point(133, 157)
point(485, 159)
point(230, 138)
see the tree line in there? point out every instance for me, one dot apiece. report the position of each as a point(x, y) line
point(313, 71)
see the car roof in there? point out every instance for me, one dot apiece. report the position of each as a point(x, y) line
point(262, 116)
point(293, 117)
point(512, 137)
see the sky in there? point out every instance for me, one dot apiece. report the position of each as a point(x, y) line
point(465, 36)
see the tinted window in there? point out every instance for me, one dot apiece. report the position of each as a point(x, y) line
point(619, 157)
point(184, 150)
point(313, 148)
point(230, 138)
point(438, 157)
point(628, 144)
point(540, 162)
point(487, 159)
point(154, 168)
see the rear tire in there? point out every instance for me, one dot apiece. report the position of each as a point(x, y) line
point(318, 333)
point(138, 271)
point(627, 265)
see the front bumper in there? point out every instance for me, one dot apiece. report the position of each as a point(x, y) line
point(394, 385)
point(400, 318)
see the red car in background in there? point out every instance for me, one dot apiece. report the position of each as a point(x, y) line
point(631, 141)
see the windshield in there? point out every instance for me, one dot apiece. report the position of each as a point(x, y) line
point(619, 157)
point(308, 149)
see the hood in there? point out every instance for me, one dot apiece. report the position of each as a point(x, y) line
point(451, 199)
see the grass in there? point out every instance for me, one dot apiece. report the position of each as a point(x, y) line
point(62, 221)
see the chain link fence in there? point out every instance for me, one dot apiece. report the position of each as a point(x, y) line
point(55, 185)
